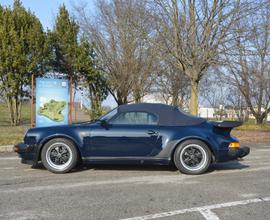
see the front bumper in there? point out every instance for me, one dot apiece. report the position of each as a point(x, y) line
point(26, 152)
point(239, 152)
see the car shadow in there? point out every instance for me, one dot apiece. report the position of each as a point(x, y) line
point(230, 165)
point(117, 167)
point(120, 167)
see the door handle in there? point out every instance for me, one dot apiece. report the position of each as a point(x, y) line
point(152, 133)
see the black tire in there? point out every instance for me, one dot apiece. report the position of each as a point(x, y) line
point(196, 164)
point(59, 155)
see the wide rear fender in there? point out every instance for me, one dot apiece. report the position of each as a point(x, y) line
point(212, 147)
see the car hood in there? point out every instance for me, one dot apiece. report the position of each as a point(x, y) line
point(60, 127)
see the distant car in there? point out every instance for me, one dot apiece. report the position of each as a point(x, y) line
point(134, 134)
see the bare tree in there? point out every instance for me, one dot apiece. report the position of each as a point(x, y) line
point(248, 64)
point(118, 30)
point(173, 87)
point(236, 101)
point(193, 33)
point(217, 91)
point(212, 90)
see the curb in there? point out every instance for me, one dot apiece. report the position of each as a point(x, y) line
point(6, 148)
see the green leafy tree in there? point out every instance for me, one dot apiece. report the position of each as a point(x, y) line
point(63, 42)
point(75, 59)
point(22, 52)
point(92, 77)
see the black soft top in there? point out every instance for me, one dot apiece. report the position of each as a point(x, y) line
point(168, 115)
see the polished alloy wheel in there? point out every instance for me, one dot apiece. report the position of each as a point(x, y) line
point(193, 157)
point(59, 156)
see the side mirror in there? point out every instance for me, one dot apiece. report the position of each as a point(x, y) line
point(104, 123)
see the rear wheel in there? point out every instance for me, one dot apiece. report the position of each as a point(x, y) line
point(192, 157)
point(59, 155)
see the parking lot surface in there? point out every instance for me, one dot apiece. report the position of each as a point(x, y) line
point(233, 190)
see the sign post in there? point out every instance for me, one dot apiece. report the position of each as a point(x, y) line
point(33, 102)
point(70, 101)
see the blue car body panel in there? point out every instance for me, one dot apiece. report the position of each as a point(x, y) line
point(116, 143)
point(94, 141)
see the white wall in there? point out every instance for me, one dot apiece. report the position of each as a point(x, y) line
point(206, 112)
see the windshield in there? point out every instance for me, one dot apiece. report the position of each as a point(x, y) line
point(109, 115)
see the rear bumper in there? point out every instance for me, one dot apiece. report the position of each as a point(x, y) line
point(239, 152)
point(26, 152)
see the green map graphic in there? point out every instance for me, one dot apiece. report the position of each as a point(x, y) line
point(53, 110)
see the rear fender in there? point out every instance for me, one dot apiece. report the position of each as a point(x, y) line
point(206, 141)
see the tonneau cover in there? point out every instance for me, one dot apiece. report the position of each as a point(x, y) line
point(168, 115)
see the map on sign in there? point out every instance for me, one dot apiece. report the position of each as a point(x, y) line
point(52, 98)
point(53, 110)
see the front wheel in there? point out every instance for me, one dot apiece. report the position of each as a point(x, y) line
point(59, 155)
point(192, 157)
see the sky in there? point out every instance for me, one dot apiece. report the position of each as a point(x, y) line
point(46, 10)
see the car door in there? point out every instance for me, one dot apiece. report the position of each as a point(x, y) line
point(128, 134)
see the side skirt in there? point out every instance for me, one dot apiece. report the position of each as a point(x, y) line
point(126, 160)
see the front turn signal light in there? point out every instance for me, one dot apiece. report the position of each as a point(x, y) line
point(234, 145)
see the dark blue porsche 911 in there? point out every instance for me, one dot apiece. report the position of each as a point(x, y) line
point(138, 134)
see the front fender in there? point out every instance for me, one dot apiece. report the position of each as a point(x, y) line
point(43, 141)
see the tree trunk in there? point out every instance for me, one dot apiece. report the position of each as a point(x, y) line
point(259, 119)
point(96, 109)
point(10, 108)
point(137, 97)
point(14, 106)
point(96, 101)
point(193, 107)
point(17, 111)
point(121, 99)
point(175, 98)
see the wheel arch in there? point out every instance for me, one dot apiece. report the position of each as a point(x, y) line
point(193, 138)
point(46, 140)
